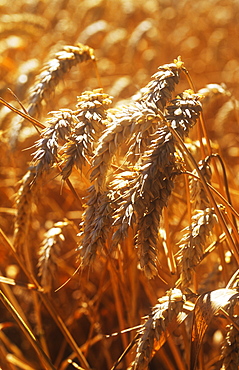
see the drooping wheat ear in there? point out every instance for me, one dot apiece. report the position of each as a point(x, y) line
point(99, 209)
point(25, 198)
point(226, 114)
point(60, 126)
point(125, 187)
point(213, 91)
point(135, 118)
point(124, 122)
point(45, 156)
point(193, 243)
point(53, 71)
point(90, 115)
point(96, 225)
point(25, 23)
point(159, 90)
point(155, 186)
point(230, 354)
point(156, 326)
point(49, 255)
point(198, 195)
point(140, 140)
point(149, 192)
point(183, 112)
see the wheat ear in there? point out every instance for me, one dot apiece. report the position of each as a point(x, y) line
point(45, 156)
point(49, 254)
point(96, 225)
point(163, 313)
point(159, 90)
point(193, 242)
point(53, 71)
point(135, 118)
point(90, 115)
point(24, 201)
point(213, 91)
point(230, 348)
point(149, 193)
point(123, 123)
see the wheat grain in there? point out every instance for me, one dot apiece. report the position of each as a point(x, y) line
point(163, 313)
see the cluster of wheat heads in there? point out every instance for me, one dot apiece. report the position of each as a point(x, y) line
point(156, 228)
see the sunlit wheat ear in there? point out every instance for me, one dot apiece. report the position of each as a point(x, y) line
point(43, 160)
point(49, 255)
point(25, 198)
point(90, 115)
point(193, 243)
point(230, 348)
point(125, 187)
point(159, 90)
point(53, 73)
point(198, 195)
point(213, 91)
point(124, 122)
point(137, 117)
point(96, 225)
point(60, 126)
point(227, 113)
point(148, 193)
point(156, 327)
point(155, 186)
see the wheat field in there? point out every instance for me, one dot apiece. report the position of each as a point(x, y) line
point(119, 183)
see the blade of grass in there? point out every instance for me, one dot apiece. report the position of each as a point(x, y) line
point(46, 362)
